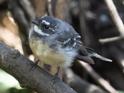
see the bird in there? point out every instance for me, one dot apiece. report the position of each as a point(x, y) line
point(56, 43)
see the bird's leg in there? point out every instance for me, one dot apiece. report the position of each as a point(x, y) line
point(46, 67)
point(36, 61)
point(59, 73)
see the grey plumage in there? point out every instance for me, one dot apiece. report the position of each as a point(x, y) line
point(61, 38)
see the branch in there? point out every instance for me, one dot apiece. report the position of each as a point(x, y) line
point(109, 40)
point(61, 9)
point(50, 8)
point(118, 56)
point(98, 78)
point(77, 83)
point(1, 1)
point(22, 13)
point(35, 78)
point(82, 17)
point(27, 9)
point(115, 16)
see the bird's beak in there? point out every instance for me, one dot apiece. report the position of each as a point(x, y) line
point(35, 22)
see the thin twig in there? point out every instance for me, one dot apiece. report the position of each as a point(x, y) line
point(22, 13)
point(118, 56)
point(109, 40)
point(98, 78)
point(50, 8)
point(80, 85)
point(82, 18)
point(115, 16)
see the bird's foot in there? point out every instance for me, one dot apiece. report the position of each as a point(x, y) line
point(59, 73)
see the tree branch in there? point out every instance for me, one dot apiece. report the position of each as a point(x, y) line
point(98, 78)
point(28, 74)
point(115, 16)
point(22, 13)
point(77, 83)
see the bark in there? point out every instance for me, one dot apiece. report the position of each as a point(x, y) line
point(28, 74)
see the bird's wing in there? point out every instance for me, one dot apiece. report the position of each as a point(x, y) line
point(69, 38)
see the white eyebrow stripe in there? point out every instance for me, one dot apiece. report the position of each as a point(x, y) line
point(44, 21)
point(39, 31)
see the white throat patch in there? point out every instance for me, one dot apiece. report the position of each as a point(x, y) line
point(39, 31)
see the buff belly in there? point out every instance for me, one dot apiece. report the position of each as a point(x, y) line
point(45, 54)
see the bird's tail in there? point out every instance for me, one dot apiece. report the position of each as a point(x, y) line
point(92, 53)
point(86, 55)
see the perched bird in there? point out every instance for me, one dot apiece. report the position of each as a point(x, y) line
point(56, 43)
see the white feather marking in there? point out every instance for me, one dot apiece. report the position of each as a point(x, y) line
point(39, 31)
point(78, 36)
point(74, 44)
point(65, 42)
point(79, 41)
point(45, 22)
point(75, 39)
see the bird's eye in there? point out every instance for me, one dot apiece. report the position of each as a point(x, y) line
point(46, 27)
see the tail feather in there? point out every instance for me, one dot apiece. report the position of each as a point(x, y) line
point(86, 54)
point(86, 59)
point(92, 53)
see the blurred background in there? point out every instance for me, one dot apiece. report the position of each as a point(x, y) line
point(92, 19)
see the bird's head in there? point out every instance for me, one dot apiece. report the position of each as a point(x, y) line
point(46, 26)
point(53, 30)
